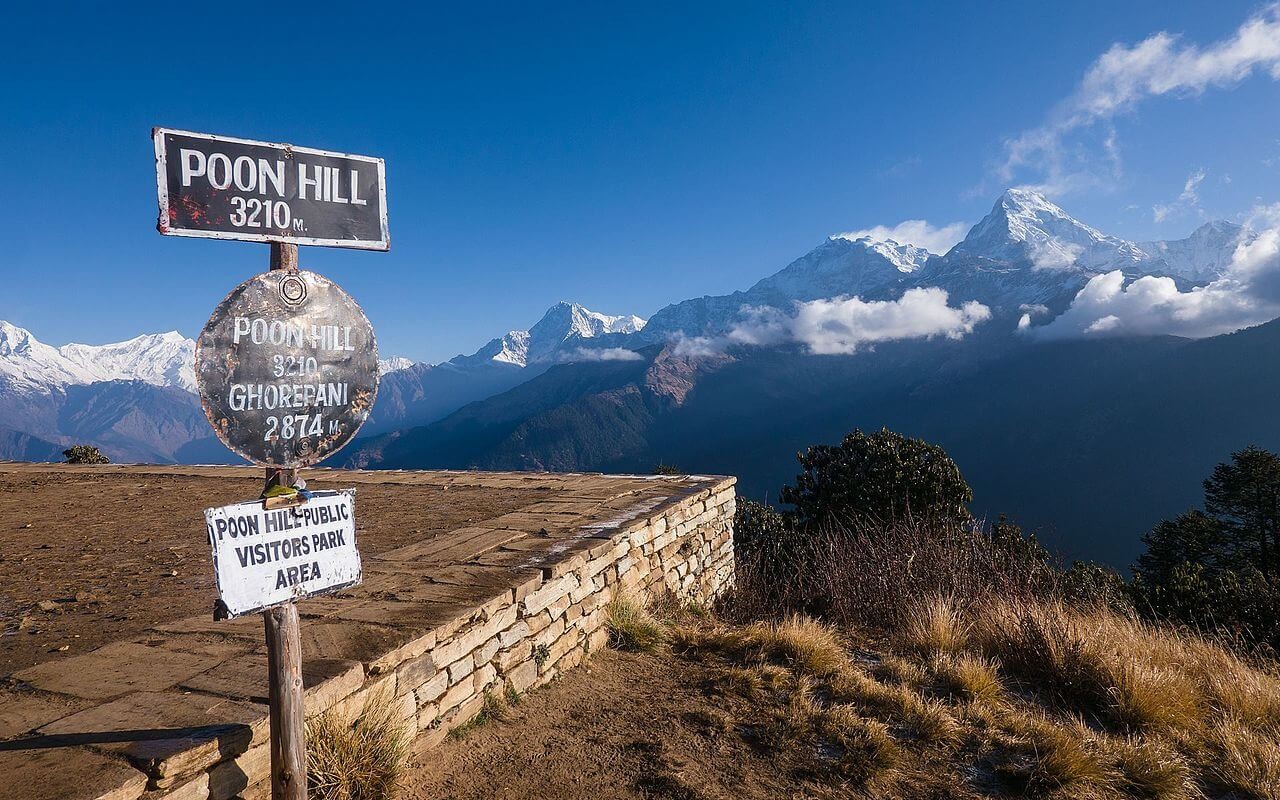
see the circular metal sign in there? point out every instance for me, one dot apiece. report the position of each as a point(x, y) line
point(287, 369)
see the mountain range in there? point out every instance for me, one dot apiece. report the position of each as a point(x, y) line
point(1089, 440)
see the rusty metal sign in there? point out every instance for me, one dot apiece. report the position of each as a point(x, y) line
point(263, 557)
point(220, 187)
point(287, 369)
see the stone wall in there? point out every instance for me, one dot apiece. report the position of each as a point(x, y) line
point(548, 619)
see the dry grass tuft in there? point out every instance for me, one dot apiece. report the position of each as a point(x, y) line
point(865, 748)
point(899, 671)
point(1151, 769)
point(969, 677)
point(1045, 758)
point(1053, 700)
point(363, 760)
point(1242, 760)
point(805, 644)
point(934, 625)
point(634, 629)
point(928, 720)
point(1239, 691)
point(1147, 697)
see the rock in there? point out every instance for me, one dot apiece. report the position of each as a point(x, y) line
point(51, 606)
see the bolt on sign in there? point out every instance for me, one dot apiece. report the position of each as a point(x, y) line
point(287, 369)
point(219, 187)
point(262, 558)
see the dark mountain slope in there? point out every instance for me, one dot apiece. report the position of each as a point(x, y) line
point(1091, 442)
point(18, 446)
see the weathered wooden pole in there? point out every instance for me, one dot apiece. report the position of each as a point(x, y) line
point(284, 648)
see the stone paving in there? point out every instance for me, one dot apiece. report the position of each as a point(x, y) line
point(180, 712)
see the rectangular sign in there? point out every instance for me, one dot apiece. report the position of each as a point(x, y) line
point(218, 187)
point(264, 558)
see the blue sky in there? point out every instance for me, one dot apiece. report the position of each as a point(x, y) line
point(624, 158)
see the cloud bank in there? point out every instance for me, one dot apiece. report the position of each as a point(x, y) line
point(601, 354)
point(918, 232)
point(1121, 79)
point(844, 325)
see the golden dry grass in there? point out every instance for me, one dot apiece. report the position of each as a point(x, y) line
point(1044, 700)
point(969, 677)
point(1241, 759)
point(1152, 769)
point(360, 760)
point(632, 627)
point(934, 625)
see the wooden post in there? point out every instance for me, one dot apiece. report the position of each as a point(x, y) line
point(288, 734)
point(284, 649)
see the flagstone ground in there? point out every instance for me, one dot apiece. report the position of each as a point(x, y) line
point(474, 582)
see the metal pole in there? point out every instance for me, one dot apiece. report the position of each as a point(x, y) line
point(284, 649)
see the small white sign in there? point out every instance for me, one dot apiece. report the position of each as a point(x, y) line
point(262, 558)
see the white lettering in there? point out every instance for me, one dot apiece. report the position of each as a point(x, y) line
point(276, 176)
point(356, 199)
point(216, 159)
point(304, 182)
point(245, 173)
point(193, 164)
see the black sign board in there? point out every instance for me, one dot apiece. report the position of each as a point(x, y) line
point(219, 187)
point(287, 369)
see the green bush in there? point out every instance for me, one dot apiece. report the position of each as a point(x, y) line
point(883, 477)
point(1219, 569)
point(85, 454)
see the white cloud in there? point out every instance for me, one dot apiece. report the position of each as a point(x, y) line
point(843, 325)
point(1189, 198)
point(1247, 293)
point(1192, 184)
point(917, 232)
point(1123, 77)
point(601, 354)
point(698, 346)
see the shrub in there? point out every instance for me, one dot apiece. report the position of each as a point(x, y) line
point(874, 576)
point(883, 477)
point(362, 760)
point(85, 454)
point(1219, 569)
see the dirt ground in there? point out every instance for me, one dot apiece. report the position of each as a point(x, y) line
point(622, 726)
point(90, 559)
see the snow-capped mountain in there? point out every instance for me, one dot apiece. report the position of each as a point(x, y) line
point(1024, 226)
point(840, 266)
point(1204, 254)
point(1026, 251)
point(162, 359)
point(27, 364)
point(393, 364)
point(564, 327)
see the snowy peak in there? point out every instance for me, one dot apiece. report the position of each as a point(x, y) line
point(564, 325)
point(905, 258)
point(1025, 227)
point(1205, 254)
point(164, 359)
point(862, 267)
point(28, 363)
point(567, 322)
point(393, 364)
